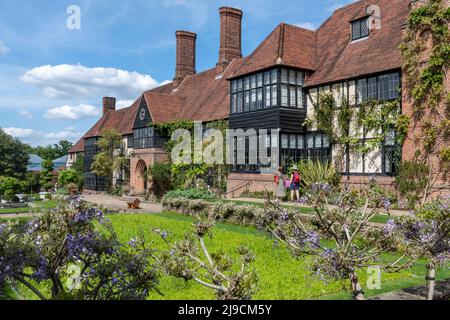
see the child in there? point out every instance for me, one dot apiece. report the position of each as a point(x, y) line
point(295, 184)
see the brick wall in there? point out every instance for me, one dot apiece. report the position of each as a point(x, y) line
point(230, 35)
point(142, 160)
point(414, 140)
point(237, 184)
point(185, 65)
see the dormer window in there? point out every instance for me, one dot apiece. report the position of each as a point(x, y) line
point(360, 28)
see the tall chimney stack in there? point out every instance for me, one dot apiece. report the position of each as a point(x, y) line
point(185, 56)
point(230, 36)
point(109, 103)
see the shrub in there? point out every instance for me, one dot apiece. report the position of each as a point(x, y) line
point(315, 172)
point(161, 178)
point(9, 187)
point(68, 176)
point(75, 239)
point(191, 194)
point(412, 180)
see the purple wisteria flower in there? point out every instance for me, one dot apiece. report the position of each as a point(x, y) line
point(390, 227)
point(386, 203)
point(321, 188)
point(3, 227)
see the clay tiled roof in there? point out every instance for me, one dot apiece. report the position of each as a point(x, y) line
point(122, 120)
point(339, 59)
point(327, 52)
point(78, 147)
point(287, 45)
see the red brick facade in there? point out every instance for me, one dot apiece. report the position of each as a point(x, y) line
point(109, 104)
point(139, 163)
point(185, 65)
point(238, 183)
point(230, 36)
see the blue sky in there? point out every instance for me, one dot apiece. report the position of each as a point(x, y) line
point(52, 79)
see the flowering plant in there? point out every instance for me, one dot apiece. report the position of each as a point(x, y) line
point(357, 244)
point(75, 251)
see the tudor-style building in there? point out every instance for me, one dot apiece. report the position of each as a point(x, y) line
point(275, 87)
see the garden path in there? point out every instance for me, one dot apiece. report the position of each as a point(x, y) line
point(121, 203)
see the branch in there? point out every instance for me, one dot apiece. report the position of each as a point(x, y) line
point(31, 287)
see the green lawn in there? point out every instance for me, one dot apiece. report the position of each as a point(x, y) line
point(281, 276)
point(40, 205)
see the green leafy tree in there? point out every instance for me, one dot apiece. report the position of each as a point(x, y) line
point(47, 175)
point(52, 152)
point(9, 187)
point(78, 166)
point(105, 162)
point(68, 176)
point(33, 183)
point(13, 156)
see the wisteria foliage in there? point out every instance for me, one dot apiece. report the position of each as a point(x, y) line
point(75, 250)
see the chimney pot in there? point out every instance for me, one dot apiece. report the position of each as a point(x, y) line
point(185, 66)
point(109, 103)
point(230, 35)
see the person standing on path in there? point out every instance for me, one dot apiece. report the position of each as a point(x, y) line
point(279, 180)
point(295, 184)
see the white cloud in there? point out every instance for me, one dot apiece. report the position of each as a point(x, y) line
point(79, 112)
point(3, 49)
point(19, 132)
point(26, 114)
point(306, 25)
point(120, 104)
point(78, 81)
point(35, 137)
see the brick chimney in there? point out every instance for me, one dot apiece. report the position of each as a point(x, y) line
point(230, 36)
point(185, 56)
point(109, 103)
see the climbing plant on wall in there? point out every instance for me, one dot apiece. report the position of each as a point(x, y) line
point(346, 124)
point(186, 175)
point(426, 58)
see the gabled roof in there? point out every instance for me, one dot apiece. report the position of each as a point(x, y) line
point(287, 45)
point(327, 53)
point(77, 147)
point(338, 58)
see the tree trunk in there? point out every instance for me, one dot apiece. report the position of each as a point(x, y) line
point(358, 293)
point(431, 280)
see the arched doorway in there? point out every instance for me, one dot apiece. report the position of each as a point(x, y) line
point(141, 177)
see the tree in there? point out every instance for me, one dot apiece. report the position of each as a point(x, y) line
point(356, 245)
point(105, 162)
point(33, 182)
point(47, 175)
point(13, 156)
point(68, 176)
point(53, 152)
point(190, 260)
point(75, 253)
point(426, 234)
point(63, 147)
point(9, 187)
point(78, 166)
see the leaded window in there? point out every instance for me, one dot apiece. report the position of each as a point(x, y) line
point(360, 28)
